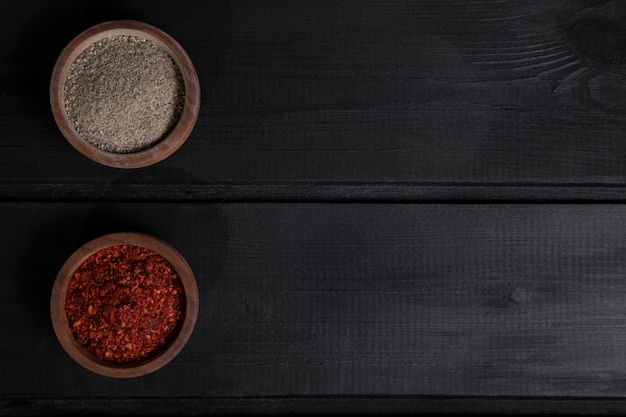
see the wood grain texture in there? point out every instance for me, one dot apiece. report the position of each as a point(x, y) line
point(316, 296)
point(359, 93)
point(347, 300)
point(316, 406)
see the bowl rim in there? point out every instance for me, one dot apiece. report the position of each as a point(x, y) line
point(61, 325)
point(166, 146)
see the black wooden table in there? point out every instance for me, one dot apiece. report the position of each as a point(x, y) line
point(390, 207)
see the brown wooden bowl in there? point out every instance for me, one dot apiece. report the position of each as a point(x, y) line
point(61, 323)
point(166, 146)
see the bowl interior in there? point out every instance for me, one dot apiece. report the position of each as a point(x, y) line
point(166, 146)
point(159, 359)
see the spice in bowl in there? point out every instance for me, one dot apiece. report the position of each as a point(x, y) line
point(124, 304)
point(123, 94)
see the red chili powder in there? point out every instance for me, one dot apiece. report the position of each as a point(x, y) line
point(124, 304)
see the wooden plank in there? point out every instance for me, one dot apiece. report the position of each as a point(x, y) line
point(360, 93)
point(312, 192)
point(376, 300)
point(314, 406)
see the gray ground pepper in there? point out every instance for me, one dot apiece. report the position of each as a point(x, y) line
point(123, 94)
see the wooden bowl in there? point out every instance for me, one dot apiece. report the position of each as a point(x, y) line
point(61, 323)
point(166, 146)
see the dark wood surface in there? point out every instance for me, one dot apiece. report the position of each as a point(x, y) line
point(389, 206)
point(349, 93)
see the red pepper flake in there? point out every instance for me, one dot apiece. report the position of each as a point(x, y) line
point(124, 304)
